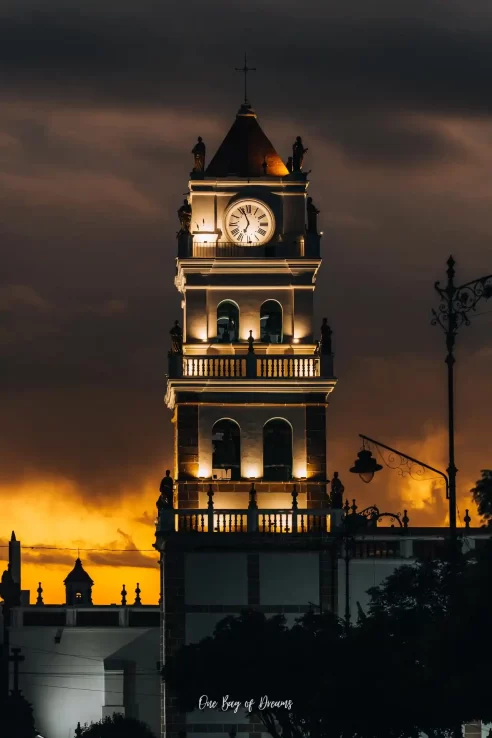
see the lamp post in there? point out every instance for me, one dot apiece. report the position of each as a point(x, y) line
point(452, 313)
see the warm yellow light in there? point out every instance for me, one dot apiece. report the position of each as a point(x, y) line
point(252, 471)
point(296, 340)
point(205, 238)
point(301, 472)
point(204, 471)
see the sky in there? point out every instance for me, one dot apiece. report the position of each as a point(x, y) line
point(99, 111)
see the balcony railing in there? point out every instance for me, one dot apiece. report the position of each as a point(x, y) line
point(244, 521)
point(308, 247)
point(278, 367)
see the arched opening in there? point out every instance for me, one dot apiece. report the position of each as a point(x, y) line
point(227, 322)
point(277, 450)
point(226, 450)
point(271, 322)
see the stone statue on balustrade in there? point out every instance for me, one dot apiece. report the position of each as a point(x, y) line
point(166, 489)
point(298, 152)
point(198, 152)
point(312, 216)
point(325, 343)
point(337, 490)
point(176, 339)
point(184, 215)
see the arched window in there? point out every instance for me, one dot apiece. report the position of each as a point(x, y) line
point(271, 322)
point(277, 451)
point(227, 322)
point(226, 450)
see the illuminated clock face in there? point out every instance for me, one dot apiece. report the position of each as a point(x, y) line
point(249, 222)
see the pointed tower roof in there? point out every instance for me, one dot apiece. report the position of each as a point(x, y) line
point(78, 575)
point(245, 149)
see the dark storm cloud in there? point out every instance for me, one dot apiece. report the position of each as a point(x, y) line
point(405, 61)
point(99, 113)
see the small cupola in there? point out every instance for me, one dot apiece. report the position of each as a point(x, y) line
point(78, 586)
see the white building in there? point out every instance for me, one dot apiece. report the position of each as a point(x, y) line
point(81, 661)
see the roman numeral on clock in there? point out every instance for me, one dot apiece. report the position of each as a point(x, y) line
point(265, 225)
point(235, 231)
point(240, 237)
point(261, 231)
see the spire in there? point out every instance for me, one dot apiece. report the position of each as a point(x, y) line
point(245, 150)
point(12, 537)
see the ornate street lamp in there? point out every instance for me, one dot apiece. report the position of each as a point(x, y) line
point(365, 466)
point(452, 313)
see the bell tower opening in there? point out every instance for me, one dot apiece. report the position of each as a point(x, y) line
point(227, 322)
point(271, 322)
point(226, 454)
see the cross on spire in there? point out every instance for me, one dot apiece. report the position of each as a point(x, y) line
point(245, 71)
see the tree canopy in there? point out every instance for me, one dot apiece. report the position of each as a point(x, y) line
point(16, 717)
point(410, 666)
point(482, 496)
point(117, 726)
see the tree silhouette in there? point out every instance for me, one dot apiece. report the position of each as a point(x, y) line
point(117, 726)
point(417, 662)
point(16, 717)
point(482, 496)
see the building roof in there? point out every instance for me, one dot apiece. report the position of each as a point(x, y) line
point(245, 149)
point(78, 575)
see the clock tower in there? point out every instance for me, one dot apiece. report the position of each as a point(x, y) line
point(248, 386)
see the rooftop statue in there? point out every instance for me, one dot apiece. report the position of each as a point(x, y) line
point(198, 152)
point(298, 152)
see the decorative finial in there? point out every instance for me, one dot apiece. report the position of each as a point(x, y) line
point(346, 507)
point(467, 519)
point(251, 341)
point(245, 71)
point(39, 600)
point(78, 731)
point(138, 601)
point(353, 507)
point(210, 495)
point(294, 494)
point(123, 595)
point(405, 520)
point(12, 537)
